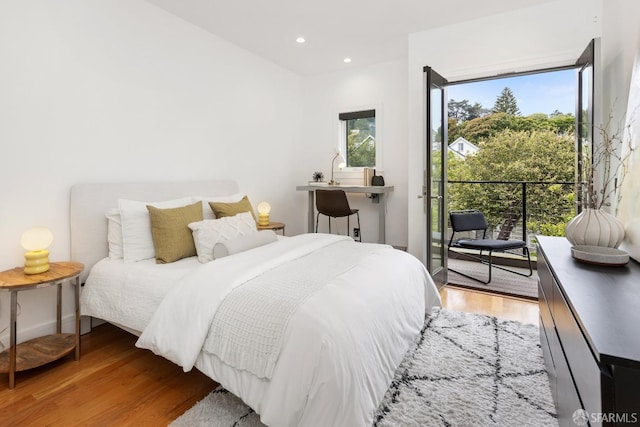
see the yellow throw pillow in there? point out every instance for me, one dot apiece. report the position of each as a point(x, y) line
point(172, 237)
point(230, 209)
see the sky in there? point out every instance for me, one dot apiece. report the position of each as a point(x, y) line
point(535, 93)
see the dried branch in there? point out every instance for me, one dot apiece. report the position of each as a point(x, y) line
point(603, 180)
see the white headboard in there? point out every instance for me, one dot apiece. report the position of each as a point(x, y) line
point(90, 202)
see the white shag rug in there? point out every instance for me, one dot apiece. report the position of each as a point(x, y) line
point(464, 370)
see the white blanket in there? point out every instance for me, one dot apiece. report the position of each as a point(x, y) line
point(192, 304)
point(128, 294)
point(249, 325)
point(340, 348)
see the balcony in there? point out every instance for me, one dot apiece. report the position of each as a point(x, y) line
point(518, 209)
point(514, 210)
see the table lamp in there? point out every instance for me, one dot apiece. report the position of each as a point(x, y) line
point(341, 163)
point(263, 213)
point(36, 241)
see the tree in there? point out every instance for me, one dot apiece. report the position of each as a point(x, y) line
point(361, 142)
point(482, 128)
point(563, 123)
point(506, 103)
point(538, 147)
point(518, 156)
point(453, 131)
point(463, 111)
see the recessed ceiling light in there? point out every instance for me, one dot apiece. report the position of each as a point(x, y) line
point(300, 40)
point(347, 60)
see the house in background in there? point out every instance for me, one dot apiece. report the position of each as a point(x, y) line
point(463, 148)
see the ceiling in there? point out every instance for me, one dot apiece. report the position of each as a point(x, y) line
point(366, 31)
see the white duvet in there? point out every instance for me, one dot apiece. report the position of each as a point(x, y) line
point(340, 347)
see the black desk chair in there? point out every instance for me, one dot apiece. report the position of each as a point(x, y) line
point(334, 204)
point(472, 220)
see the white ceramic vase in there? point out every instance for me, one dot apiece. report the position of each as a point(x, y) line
point(595, 227)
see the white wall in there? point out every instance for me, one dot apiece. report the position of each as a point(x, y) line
point(121, 90)
point(620, 45)
point(552, 34)
point(382, 85)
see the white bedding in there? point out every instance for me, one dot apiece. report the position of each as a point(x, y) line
point(248, 328)
point(340, 348)
point(129, 293)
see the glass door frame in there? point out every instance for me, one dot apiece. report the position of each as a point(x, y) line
point(588, 68)
point(434, 188)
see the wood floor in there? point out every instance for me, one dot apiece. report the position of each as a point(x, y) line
point(116, 384)
point(504, 307)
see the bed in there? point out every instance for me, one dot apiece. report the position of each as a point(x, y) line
point(307, 330)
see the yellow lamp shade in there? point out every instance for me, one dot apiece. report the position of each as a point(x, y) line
point(263, 213)
point(36, 241)
point(264, 207)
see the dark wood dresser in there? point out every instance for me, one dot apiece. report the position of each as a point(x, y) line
point(590, 336)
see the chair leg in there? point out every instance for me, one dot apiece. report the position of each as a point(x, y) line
point(517, 272)
point(359, 229)
point(348, 227)
point(317, 219)
point(489, 262)
point(472, 277)
point(329, 218)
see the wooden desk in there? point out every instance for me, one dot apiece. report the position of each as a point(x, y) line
point(380, 198)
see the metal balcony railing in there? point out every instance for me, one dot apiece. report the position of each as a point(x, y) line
point(517, 209)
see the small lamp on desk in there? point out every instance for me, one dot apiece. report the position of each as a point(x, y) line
point(341, 163)
point(264, 209)
point(36, 241)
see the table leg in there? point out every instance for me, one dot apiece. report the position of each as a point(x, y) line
point(312, 207)
point(382, 213)
point(12, 339)
point(77, 298)
point(59, 309)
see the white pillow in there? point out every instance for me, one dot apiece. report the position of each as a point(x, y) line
point(207, 213)
point(137, 242)
point(243, 243)
point(211, 231)
point(114, 233)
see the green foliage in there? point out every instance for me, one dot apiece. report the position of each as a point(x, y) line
point(549, 229)
point(361, 142)
point(562, 123)
point(511, 155)
point(538, 147)
point(482, 128)
point(506, 103)
point(463, 110)
point(453, 132)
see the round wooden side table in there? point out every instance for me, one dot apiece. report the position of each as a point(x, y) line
point(273, 226)
point(42, 350)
